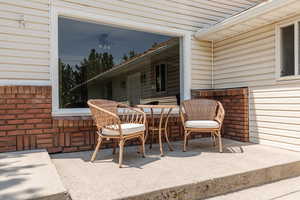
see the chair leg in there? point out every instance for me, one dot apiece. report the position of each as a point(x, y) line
point(96, 149)
point(220, 142)
point(143, 146)
point(114, 147)
point(121, 146)
point(213, 137)
point(185, 140)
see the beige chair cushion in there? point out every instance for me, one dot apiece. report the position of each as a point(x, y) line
point(202, 124)
point(127, 129)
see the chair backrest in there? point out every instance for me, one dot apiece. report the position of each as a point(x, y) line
point(104, 112)
point(200, 109)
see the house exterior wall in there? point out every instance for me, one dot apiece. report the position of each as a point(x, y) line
point(25, 50)
point(248, 60)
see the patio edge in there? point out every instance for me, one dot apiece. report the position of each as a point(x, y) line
point(223, 185)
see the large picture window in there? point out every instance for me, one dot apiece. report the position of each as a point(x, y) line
point(103, 62)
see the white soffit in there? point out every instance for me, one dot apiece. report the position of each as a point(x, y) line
point(265, 13)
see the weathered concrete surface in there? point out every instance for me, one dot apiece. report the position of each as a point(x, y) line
point(29, 175)
point(282, 190)
point(199, 173)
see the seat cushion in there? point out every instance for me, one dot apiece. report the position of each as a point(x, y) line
point(127, 129)
point(202, 124)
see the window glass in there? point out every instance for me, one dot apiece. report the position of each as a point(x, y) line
point(287, 51)
point(104, 62)
point(161, 77)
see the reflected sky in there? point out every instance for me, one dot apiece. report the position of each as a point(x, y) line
point(77, 38)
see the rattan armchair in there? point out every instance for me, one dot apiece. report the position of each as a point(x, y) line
point(202, 116)
point(119, 122)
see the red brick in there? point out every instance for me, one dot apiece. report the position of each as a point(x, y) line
point(44, 115)
point(8, 127)
point(7, 106)
point(34, 131)
point(44, 126)
point(34, 111)
point(16, 132)
point(15, 121)
point(15, 111)
point(26, 126)
point(2, 133)
point(15, 101)
point(25, 116)
point(34, 121)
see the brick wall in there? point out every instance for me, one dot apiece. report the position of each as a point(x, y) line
point(235, 102)
point(26, 123)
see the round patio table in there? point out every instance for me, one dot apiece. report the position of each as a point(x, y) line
point(164, 114)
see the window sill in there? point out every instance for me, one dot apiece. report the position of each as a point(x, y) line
point(289, 78)
point(74, 112)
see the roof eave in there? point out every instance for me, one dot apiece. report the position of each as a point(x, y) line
point(204, 34)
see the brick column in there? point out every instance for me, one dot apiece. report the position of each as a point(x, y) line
point(235, 102)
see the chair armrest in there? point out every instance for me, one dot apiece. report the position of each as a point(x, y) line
point(220, 114)
point(131, 115)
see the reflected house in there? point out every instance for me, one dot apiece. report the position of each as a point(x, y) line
point(149, 77)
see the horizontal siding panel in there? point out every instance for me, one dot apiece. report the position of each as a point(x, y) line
point(277, 132)
point(24, 32)
point(24, 61)
point(23, 39)
point(282, 113)
point(29, 18)
point(16, 8)
point(20, 46)
point(29, 26)
point(276, 144)
point(24, 75)
point(22, 68)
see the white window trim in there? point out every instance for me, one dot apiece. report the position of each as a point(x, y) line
point(278, 27)
point(185, 51)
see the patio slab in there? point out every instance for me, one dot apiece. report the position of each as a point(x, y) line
point(29, 175)
point(199, 173)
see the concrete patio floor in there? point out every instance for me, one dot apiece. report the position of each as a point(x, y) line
point(146, 178)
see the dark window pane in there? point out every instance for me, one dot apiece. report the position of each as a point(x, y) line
point(163, 77)
point(103, 62)
point(287, 51)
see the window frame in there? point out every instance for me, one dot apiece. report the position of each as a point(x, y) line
point(278, 47)
point(56, 12)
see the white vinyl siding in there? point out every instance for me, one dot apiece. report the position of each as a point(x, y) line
point(201, 64)
point(274, 106)
point(25, 52)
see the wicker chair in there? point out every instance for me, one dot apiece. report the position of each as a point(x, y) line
point(117, 124)
point(202, 115)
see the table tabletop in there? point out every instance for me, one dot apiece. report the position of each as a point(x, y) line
point(157, 106)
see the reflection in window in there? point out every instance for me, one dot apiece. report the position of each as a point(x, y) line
point(103, 62)
point(288, 51)
point(160, 73)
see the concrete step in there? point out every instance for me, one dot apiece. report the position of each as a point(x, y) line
point(288, 189)
point(30, 175)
